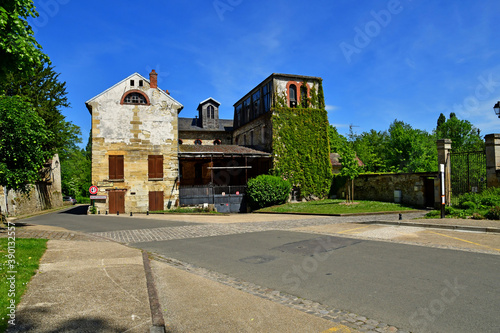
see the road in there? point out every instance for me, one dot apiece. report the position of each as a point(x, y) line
point(416, 288)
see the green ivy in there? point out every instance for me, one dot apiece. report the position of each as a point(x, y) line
point(301, 149)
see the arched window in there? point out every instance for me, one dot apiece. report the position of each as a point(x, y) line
point(292, 95)
point(211, 112)
point(180, 141)
point(135, 98)
point(197, 142)
point(217, 142)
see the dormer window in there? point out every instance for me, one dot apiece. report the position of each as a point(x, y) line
point(217, 142)
point(135, 98)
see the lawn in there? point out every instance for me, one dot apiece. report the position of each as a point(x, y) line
point(335, 206)
point(26, 254)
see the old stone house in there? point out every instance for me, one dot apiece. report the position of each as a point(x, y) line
point(144, 154)
point(134, 146)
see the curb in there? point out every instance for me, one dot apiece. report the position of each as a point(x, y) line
point(437, 226)
point(346, 214)
point(154, 303)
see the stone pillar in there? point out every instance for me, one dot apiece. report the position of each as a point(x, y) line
point(444, 148)
point(492, 160)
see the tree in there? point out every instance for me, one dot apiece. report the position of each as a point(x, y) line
point(441, 120)
point(41, 86)
point(22, 140)
point(464, 136)
point(76, 167)
point(371, 148)
point(350, 169)
point(337, 141)
point(19, 50)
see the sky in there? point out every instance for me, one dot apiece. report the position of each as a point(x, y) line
point(380, 61)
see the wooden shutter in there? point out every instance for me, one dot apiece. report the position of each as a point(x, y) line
point(156, 200)
point(116, 167)
point(155, 166)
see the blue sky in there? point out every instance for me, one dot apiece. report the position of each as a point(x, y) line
point(380, 60)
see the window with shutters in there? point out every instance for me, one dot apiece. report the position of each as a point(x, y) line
point(116, 167)
point(155, 167)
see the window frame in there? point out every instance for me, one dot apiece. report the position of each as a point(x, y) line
point(134, 91)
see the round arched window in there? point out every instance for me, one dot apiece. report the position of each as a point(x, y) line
point(197, 142)
point(135, 98)
point(217, 142)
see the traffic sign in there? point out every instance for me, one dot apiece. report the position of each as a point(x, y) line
point(93, 189)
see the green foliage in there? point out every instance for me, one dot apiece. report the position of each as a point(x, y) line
point(371, 148)
point(19, 51)
point(493, 213)
point(468, 205)
point(300, 145)
point(47, 94)
point(464, 136)
point(267, 190)
point(22, 140)
point(76, 165)
point(337, 141)
point(441, 120)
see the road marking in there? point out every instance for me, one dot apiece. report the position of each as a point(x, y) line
point(339, 328)
point(464, 240)
point(341, 232)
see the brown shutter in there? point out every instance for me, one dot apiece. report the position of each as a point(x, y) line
point(119, 167)
point(155, 166)
point(116, 167)
point(112, 167)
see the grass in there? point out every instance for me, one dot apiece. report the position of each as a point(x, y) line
point(27, 257)
point(336, 206)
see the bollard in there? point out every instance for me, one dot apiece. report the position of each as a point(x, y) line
point(117, 212)
point(400, 217)
point(106, 212)
point(130, 213)
point(147, 212)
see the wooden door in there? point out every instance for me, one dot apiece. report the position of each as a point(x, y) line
point(116, 202)
point(156, 201)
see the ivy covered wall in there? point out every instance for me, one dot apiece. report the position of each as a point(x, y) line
point(301, 150)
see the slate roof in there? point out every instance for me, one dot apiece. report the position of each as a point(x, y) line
point(194, 124)
point(220, 150)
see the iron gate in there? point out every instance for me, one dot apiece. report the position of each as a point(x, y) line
point(226, 199)
point(468, 172)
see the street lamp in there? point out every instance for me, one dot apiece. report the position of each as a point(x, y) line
point(497, 109)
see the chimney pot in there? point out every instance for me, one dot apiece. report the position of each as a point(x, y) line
point(153, 79)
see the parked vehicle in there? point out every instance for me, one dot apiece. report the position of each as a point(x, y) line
point(70, 200)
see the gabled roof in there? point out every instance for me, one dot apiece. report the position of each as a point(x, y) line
point(126, 79)
point(207, 100)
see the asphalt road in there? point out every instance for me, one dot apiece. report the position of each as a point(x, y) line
point(416, 288)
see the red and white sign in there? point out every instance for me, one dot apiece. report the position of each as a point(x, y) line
point(93, 189)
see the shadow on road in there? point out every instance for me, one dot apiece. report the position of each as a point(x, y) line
point(77, 210)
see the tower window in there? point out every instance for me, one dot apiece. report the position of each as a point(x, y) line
point(292, 95)
point(211, 112)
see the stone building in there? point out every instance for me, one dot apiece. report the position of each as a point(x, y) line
point(144, 154)
point(134, 146)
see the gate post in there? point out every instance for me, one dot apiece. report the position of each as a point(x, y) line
point(444, 147)
point(492, 160)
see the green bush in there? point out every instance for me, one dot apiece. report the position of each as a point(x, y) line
point(265, 190)
point(468, 205)
point(493, 213)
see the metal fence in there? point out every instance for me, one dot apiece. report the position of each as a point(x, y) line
point(226, 199)
point(468, 172)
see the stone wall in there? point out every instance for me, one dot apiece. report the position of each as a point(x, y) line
point(382, 187)
point(43, 195)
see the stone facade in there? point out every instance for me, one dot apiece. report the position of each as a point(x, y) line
point(43, 195)
point(415, 189)
point(134, 119)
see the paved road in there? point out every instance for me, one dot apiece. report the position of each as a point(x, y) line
point(415, 288)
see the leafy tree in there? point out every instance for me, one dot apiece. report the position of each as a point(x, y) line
point(47, 94)
point(76, 165)
point(464, 136)
point(337, 141)
point(19, 50)
point(371, 148)
point(441, 120)
point(410, 150)
point(350, 169)
point(22, 140)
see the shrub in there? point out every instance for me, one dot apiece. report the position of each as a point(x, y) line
point(493, 213)
point(468, 205)
point(265, 190)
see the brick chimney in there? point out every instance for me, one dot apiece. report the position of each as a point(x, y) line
point(153, 79)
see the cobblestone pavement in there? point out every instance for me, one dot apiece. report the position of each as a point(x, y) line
point(50, 234)
point(207, 230)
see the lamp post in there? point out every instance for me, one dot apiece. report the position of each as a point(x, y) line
point(497, 109)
